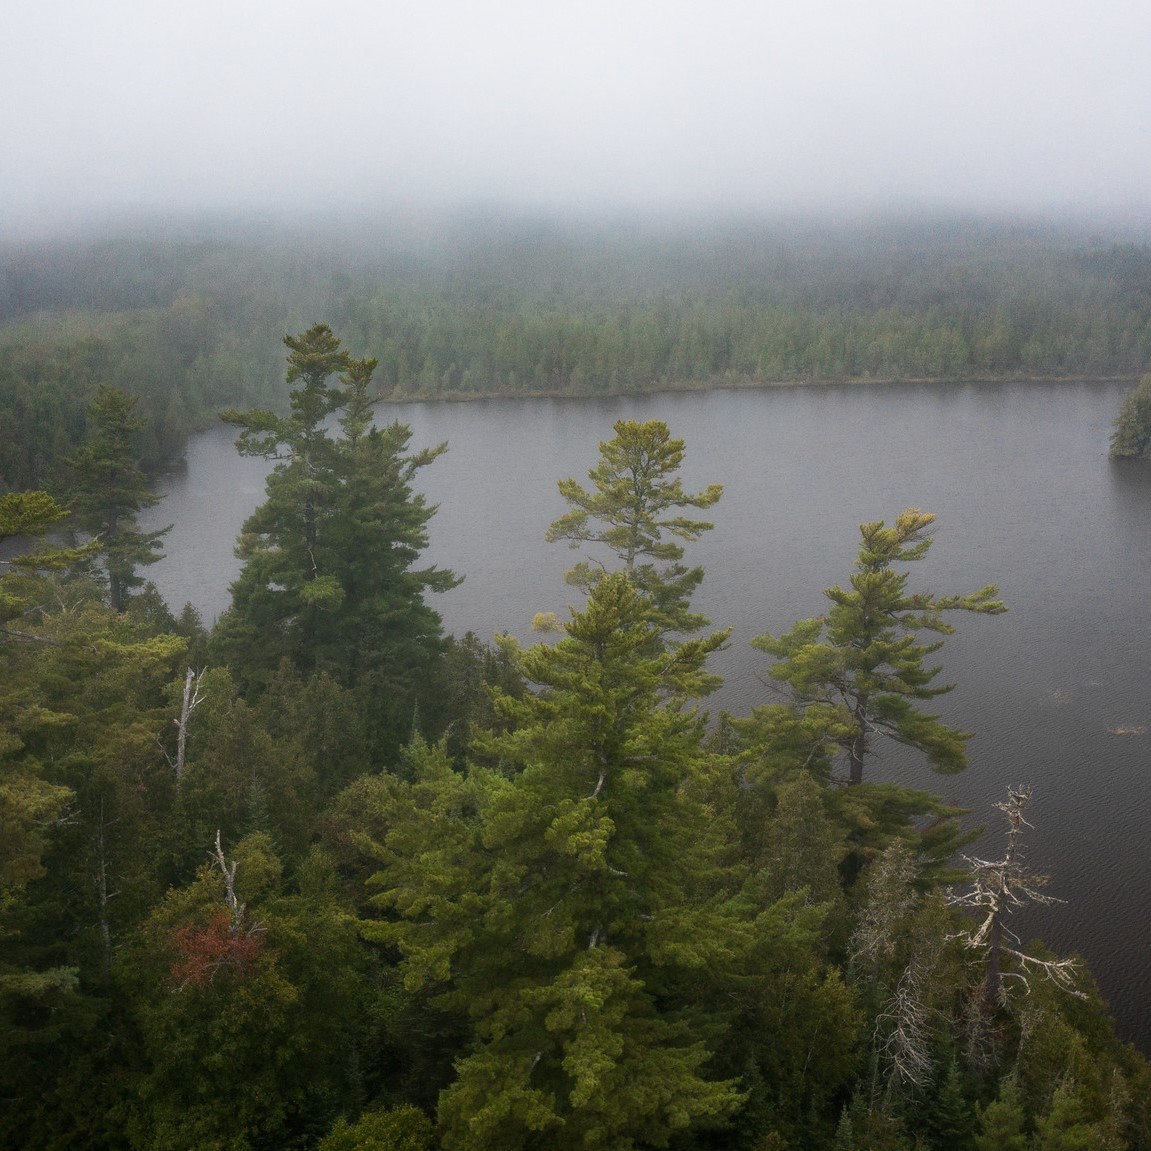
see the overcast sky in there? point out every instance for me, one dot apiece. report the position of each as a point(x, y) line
point(277, 104)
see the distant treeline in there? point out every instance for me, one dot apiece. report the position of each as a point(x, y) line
point(189, 324)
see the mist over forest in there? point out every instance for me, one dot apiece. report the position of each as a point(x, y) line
point(189, 317)
point(321, 875)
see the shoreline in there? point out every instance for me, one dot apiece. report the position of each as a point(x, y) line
point(725, 384)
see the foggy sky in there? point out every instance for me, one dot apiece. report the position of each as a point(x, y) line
point(123, 105)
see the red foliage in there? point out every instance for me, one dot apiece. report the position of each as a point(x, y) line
point(203, 950)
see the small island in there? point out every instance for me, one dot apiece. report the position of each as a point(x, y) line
point(1132, 436)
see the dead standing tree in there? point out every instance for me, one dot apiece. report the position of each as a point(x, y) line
point(192, 699)
point(998, 887)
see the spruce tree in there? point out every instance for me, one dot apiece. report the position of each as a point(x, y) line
point(109, 489)
point(330, 581)
point(569, 898)
point(1002, 1122)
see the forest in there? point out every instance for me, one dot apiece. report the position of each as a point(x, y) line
point(188, 318)
point(324, 876)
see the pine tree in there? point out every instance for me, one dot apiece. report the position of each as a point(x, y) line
point(1132, 435)
point(569, 896)
point(330, 582)
point(109, 489)
point(634, 506)
point(858, 671)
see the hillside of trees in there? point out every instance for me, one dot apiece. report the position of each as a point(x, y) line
point(326, 877)
point(187, 319)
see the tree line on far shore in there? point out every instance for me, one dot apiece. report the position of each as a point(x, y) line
point(185, 324)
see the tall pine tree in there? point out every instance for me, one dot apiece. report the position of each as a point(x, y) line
point(571, 898)
point(109, 490)
point(859, 670)
point(635, 509)
point(330, 581)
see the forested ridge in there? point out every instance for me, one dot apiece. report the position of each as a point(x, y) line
point(183, 319)
point(326, 877)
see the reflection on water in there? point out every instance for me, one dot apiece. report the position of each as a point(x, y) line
point(1056, 690)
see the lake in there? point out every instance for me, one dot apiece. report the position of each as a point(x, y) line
point(1025, 495)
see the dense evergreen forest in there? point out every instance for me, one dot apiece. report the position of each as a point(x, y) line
point(326, 877)
point(189, 319)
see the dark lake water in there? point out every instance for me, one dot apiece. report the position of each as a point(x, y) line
point(1017, 474)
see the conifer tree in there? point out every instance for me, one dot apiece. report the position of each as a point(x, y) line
point(859, 670)
point(567, 897)
point(109, 489)
point(22, 588)
point(634, 508)
point(329, 580)
point(1002, 1122)
point(1132, 435)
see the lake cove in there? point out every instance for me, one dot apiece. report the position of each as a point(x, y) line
point(1058, 690)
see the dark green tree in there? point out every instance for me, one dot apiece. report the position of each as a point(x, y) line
point(109, 489)
point(330, 581)
point(1132, 435)
point(949, 1115)
point(634, 509)
point(858, 671)
point(1002, 1122)
point(251, 1000)
point(82, 799)
point(571, 898)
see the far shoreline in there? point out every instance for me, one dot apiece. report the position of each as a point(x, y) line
point(720, 384)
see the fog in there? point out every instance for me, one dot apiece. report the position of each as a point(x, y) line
point(133, 106)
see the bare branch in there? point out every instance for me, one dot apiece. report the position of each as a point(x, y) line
point(228, 871)
point(191, 700)
point(998, 887)
point(905, 1018)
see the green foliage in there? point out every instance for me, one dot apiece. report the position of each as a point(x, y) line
point(1132, 435)
point(802, 845)
point(633, 508)
point(560, 897)
point(590, 925)
point(259, 1050)
point(80, 790)
point(329, 580)
point(32, 579)
point(1066, 1126)
point(28, 514)
point(471, 673)
point(108, 489)
point(1002, 1122)
point(396, 1129)
point(950, 1117)
point(185, 322)
point(858, 671)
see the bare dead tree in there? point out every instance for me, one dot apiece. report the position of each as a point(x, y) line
point(903, 1033)
point(228, 871)
point(998, 888)
point(891, 898)
point(192, 699)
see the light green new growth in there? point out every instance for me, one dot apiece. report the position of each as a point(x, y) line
point(633, 509)
point(859, 670)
